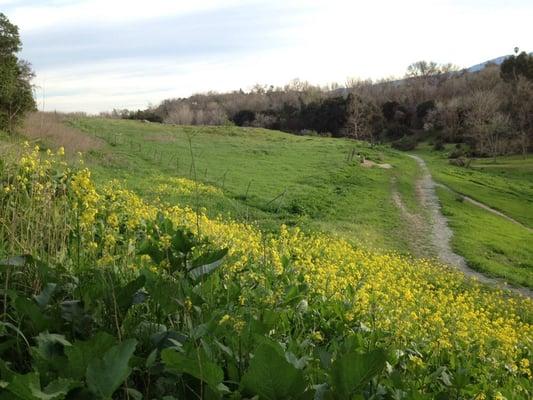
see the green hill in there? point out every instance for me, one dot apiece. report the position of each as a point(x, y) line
point(267, 177)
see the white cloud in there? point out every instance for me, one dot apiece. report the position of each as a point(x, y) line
point(50, 14)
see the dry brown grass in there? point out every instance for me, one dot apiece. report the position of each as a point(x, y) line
point(50, 128)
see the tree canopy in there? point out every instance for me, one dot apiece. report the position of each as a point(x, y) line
point(16, 96)
point(518, 66)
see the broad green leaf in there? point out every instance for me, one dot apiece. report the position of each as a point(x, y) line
point(168, 339)
point(44, 297)
point(196, 366)
point(27, 307)
point(16, 261)
point(28, 387)
point(148, 247)
point(207, 263)
point(351, 371)
point(150, 360)
point(271, 376)
point(81, 353)
point(51, 345)
point(105, 375)
point(182, 241)
point(72, 310)
point(126, 295)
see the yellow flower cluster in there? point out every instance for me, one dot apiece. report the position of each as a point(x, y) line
point(184, 186)
point(416, 301)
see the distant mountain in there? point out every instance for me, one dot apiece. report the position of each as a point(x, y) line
point(479, 67)
point(497, 61)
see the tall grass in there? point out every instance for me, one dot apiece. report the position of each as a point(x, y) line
point(52, 129)
point(35, 214)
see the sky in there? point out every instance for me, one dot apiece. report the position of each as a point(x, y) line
point(96, 55)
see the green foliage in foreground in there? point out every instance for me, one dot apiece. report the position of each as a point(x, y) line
point(161, 335)
point(161, 319)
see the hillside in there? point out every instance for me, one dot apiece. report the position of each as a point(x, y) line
point(177, 249)
point(269, 178)
point(266, 177)
point(193, 296)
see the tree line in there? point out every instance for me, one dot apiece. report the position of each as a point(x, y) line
point(491, 110)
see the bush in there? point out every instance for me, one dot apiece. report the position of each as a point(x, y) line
point(397, 131)
point(406, 143)
point(439, 145)
point(460, 162)
point(308, 132)
point(243, 118)
point(457, 153)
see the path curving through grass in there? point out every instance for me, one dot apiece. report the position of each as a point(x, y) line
point(441, 234)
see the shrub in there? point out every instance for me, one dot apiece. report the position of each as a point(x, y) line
point(456, 153)
point(460, 161)
point(396, 131)
point(439, 145)
point(406, 143)
point(243, 118)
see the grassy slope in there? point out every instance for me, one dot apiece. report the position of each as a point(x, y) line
point(490, 243)
point(322, 190)
point(505, 184)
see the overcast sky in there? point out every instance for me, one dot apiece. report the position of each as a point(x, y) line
point(95, 55)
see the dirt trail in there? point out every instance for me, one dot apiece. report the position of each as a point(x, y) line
point(441, 234)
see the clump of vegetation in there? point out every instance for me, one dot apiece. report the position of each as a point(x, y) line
point(460, 161)
point(118, 298)
point(16, 96)
point(405, 143)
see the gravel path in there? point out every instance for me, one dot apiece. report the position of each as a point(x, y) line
point(441, 233)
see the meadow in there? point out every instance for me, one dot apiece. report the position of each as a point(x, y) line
point(111, 293)
point(490, 243)
point(267, 178)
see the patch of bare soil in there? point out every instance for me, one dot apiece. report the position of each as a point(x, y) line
point(369, 164)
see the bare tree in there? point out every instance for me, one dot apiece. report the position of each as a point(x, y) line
point(181, 114)
point(364, 118)
point(486, 124)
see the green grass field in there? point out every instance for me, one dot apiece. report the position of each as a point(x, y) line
point(270, 178)
point(490, 243)
point(109, 295)
point(267, 177)
point(505, 184)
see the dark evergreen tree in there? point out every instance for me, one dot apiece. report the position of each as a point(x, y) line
point(16, 96)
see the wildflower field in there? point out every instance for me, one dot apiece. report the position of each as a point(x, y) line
point(106, 295)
